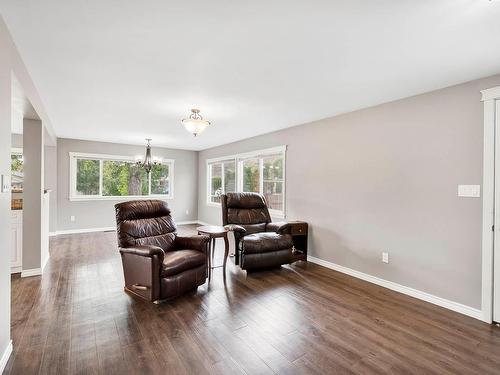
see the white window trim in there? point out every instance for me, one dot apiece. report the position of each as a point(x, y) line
point(209, 179)
point(73, 156)
point(237, 159)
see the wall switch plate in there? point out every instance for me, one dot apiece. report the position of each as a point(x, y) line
point(5, 183)
point(469, 191)
point(72, 218)
point(385, 257)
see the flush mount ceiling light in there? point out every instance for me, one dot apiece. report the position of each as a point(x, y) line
point(148, 161)
point(195, 123)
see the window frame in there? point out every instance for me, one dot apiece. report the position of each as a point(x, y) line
point(223, 176)
point(238, 159)
point(16, 151)
point(73, 196)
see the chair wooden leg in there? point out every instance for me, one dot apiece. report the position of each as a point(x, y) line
point(226, 253)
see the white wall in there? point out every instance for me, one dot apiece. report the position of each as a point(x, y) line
point(10, 63)
point(385, 179)
point(101, 214)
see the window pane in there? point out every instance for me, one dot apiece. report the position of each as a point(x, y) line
point(17, 173)
point(251, 175)
point(159, 179)
point(87, 177)
point(120, 178)
point(273, 181)
point(229, 176)
point(216, 182)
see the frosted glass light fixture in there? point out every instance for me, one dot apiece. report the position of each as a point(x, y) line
point(195, 123)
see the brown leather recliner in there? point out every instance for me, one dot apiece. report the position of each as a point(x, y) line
point(259, 242)
point(157, 263)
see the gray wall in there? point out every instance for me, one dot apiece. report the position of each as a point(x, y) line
point(50, 183)
point(33, 154)
point(98, 214)
point(11, 63)
point(50, 177)
point(385, 179)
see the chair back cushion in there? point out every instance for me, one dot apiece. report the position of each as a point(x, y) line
point(145, 222)
point(246, 209)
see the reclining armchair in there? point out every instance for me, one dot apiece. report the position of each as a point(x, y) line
point(259, 243)
point(157, 263)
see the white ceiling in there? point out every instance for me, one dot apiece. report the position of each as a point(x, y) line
point(122, 71)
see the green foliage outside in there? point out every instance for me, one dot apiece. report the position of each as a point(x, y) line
point(87, 177)
point(16, 164)
point(273, 168)
point(159, 179)
point(229, 177)
point(251, 175)
point(216, 185)
point(121, 178)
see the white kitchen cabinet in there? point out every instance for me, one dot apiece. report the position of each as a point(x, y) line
point(16, 260)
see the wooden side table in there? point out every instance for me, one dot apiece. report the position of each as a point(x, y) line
point(299, 232)
point(215, 232)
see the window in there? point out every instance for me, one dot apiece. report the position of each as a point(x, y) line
point(221, 179)
point(95, 176)
point(260, 172)
point(17, 170)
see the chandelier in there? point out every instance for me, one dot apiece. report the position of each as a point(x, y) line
point(195, 123)
point(148, 162)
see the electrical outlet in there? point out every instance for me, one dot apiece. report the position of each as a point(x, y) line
point(187, 212)
point(72, 218)
point(385, 257)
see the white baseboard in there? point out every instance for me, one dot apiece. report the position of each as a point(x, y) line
point(203, 223)
point(45, 263)
point(31, 272)
point(451, 305)
point(85, 230)
point(5, 356)
point(16, 269)
point(105, 229)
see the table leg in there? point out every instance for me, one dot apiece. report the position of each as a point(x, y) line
point(226, 252)
point(213, 249)
point(209, 260)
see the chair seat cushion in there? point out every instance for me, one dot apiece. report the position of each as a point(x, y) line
point(179, 261)
point(265, 242)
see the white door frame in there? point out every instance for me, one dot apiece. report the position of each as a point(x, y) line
point(489, 98)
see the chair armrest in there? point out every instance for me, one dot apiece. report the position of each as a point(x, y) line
point(235, 228)
point(280, 227)
point(199, 243)
point(141, 268)
point(143, 250)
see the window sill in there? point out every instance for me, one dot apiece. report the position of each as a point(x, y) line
point(275, 214)
point(213, 204)
point(123, 198)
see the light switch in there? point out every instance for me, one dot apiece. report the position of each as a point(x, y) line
point(470, 191)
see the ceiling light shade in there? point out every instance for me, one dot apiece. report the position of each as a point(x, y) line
point(195, 123)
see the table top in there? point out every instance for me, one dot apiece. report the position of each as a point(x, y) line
point(212, 229)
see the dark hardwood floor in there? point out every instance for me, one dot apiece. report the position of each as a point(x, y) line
point(303, 318)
